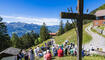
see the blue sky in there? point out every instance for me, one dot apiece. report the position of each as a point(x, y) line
point(39, 11)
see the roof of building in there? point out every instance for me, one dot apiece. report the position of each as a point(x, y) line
point(100, 13)
point(11, 51)
point(52, 33)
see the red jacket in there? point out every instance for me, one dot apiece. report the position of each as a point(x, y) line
point(60, 52)
point(48, 56)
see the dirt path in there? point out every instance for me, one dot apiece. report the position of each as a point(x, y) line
point(96, 42)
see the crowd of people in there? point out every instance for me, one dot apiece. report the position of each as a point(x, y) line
point(37, 52)
point(26, 55)
point(50, 49)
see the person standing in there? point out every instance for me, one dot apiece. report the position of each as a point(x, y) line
point(19, 56)
point(40, 53)
point(71, 52)
point(36, 52)
point(38, 48)
point(54, 50)
point(45, 55)
point(42, 48)
point(48, 56)
point(65, 51)
point(83, 54)
point(60, 52)
point(26, 56)
point(31, 54)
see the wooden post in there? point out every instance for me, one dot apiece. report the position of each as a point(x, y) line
point(79, 29)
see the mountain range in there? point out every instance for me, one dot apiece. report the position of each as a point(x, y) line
point(22, 28)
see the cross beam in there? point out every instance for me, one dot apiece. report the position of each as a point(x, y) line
point(67, 15)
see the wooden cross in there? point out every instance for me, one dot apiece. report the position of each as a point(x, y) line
point(79, 16)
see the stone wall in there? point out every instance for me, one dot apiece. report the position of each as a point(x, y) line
point(104, 31)
point(99, 30)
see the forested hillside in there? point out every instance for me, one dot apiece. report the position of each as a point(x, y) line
point(100, 8)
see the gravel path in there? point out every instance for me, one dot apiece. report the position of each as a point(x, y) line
point(96, 42)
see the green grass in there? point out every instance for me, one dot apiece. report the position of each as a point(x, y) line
point(101, 27)
point(72, 37)
point(75, 58)
point(43, 43)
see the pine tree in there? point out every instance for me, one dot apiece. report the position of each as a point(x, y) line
point(72, 25)
point(27, 40)
point(44, 33)
point(16, 42)
point(61, 29)
point(4, 37)
point(67, 26)
point(34, 37)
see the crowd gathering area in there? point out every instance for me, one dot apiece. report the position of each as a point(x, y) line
point(50, 50)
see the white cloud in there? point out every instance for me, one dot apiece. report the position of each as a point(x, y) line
point(39, 21)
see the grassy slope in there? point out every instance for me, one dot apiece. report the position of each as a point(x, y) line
point(101, 27)
point(72, 37)
point(41, 44)
point(75, 58)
